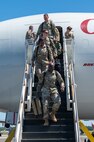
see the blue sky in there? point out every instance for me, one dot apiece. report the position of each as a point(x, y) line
point(18, 8)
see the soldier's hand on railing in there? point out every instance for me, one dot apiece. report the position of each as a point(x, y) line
point(62, 87)
point(55, 55)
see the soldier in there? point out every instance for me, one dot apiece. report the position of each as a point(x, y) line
point(57, 36)
point(49, 90)
point(29, 41)
point(48, 25)
point(49, 42)
point(57, 42)
point(30, 35)
point(69, 33)
point(69, 42)
point(42, 56)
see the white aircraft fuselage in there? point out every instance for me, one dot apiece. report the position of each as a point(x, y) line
point(12, 58)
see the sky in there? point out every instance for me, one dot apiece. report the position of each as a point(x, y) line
point(18, 8)
point(10, 9)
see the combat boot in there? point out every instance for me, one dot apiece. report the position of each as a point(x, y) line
point(53, 117)
point(46, 122)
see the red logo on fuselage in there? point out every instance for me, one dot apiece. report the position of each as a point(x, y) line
point(84, 26)
point(88, 64)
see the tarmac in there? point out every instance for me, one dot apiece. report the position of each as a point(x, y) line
point(3, 138)
point(82, 138)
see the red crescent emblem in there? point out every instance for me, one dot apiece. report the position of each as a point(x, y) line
point(84, 26)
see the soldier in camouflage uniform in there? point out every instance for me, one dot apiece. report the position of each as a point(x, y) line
point(69, 42)
point(57, 42)
point(42, 56)
point(49, 42)
point(29, 42)
point(30, 34)
point(48, 25)
point(49, 90)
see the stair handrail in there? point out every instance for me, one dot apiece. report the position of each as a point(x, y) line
point(21, 111)
point(28, 75)
point(66, 74)
point(75, 107)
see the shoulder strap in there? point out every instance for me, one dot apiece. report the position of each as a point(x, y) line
point(43, 79)
point(48, 52)
point(37, 50)
point(42, 26)
point(56, 73)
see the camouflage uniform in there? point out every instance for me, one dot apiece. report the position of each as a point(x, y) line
point(57, 36)
point(49, 42)
point(49, 90)
point(57, 42)
point(41, 56)
point(30, 37)
point(50, 26)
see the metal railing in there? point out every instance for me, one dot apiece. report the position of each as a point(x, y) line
point(70, 82)
point(86, 131)
point(66, 74)
point(11, 135)
point(75, 108)
point(26, 97)
point(18, 132)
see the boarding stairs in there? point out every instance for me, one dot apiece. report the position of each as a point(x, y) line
point(30, 126)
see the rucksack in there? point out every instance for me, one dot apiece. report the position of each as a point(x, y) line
point(47, 50)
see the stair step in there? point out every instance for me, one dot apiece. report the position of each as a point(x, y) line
point(32, 128)
point(41, 121)
point(49, 134)
point(49, 140)
point(59, 115)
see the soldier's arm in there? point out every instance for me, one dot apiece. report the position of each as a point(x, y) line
point(50, 54)
point(53, 27)
point(60, 80)
point(39, 31)
point(66, 35)
point(54, 48)
point(34, 56)
point(34, 35)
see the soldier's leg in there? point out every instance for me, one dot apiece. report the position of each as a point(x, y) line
point(40, 69)
point(38, 73)
point(56, 104)
point(45, 102)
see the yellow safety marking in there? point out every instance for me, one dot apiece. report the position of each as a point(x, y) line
point(11, 135)
point(86, 131)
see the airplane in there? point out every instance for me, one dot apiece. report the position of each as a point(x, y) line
point(12, 58)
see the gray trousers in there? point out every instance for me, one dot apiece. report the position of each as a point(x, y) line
point(46, 98)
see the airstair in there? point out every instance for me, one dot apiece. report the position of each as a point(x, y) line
point(30, 126)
